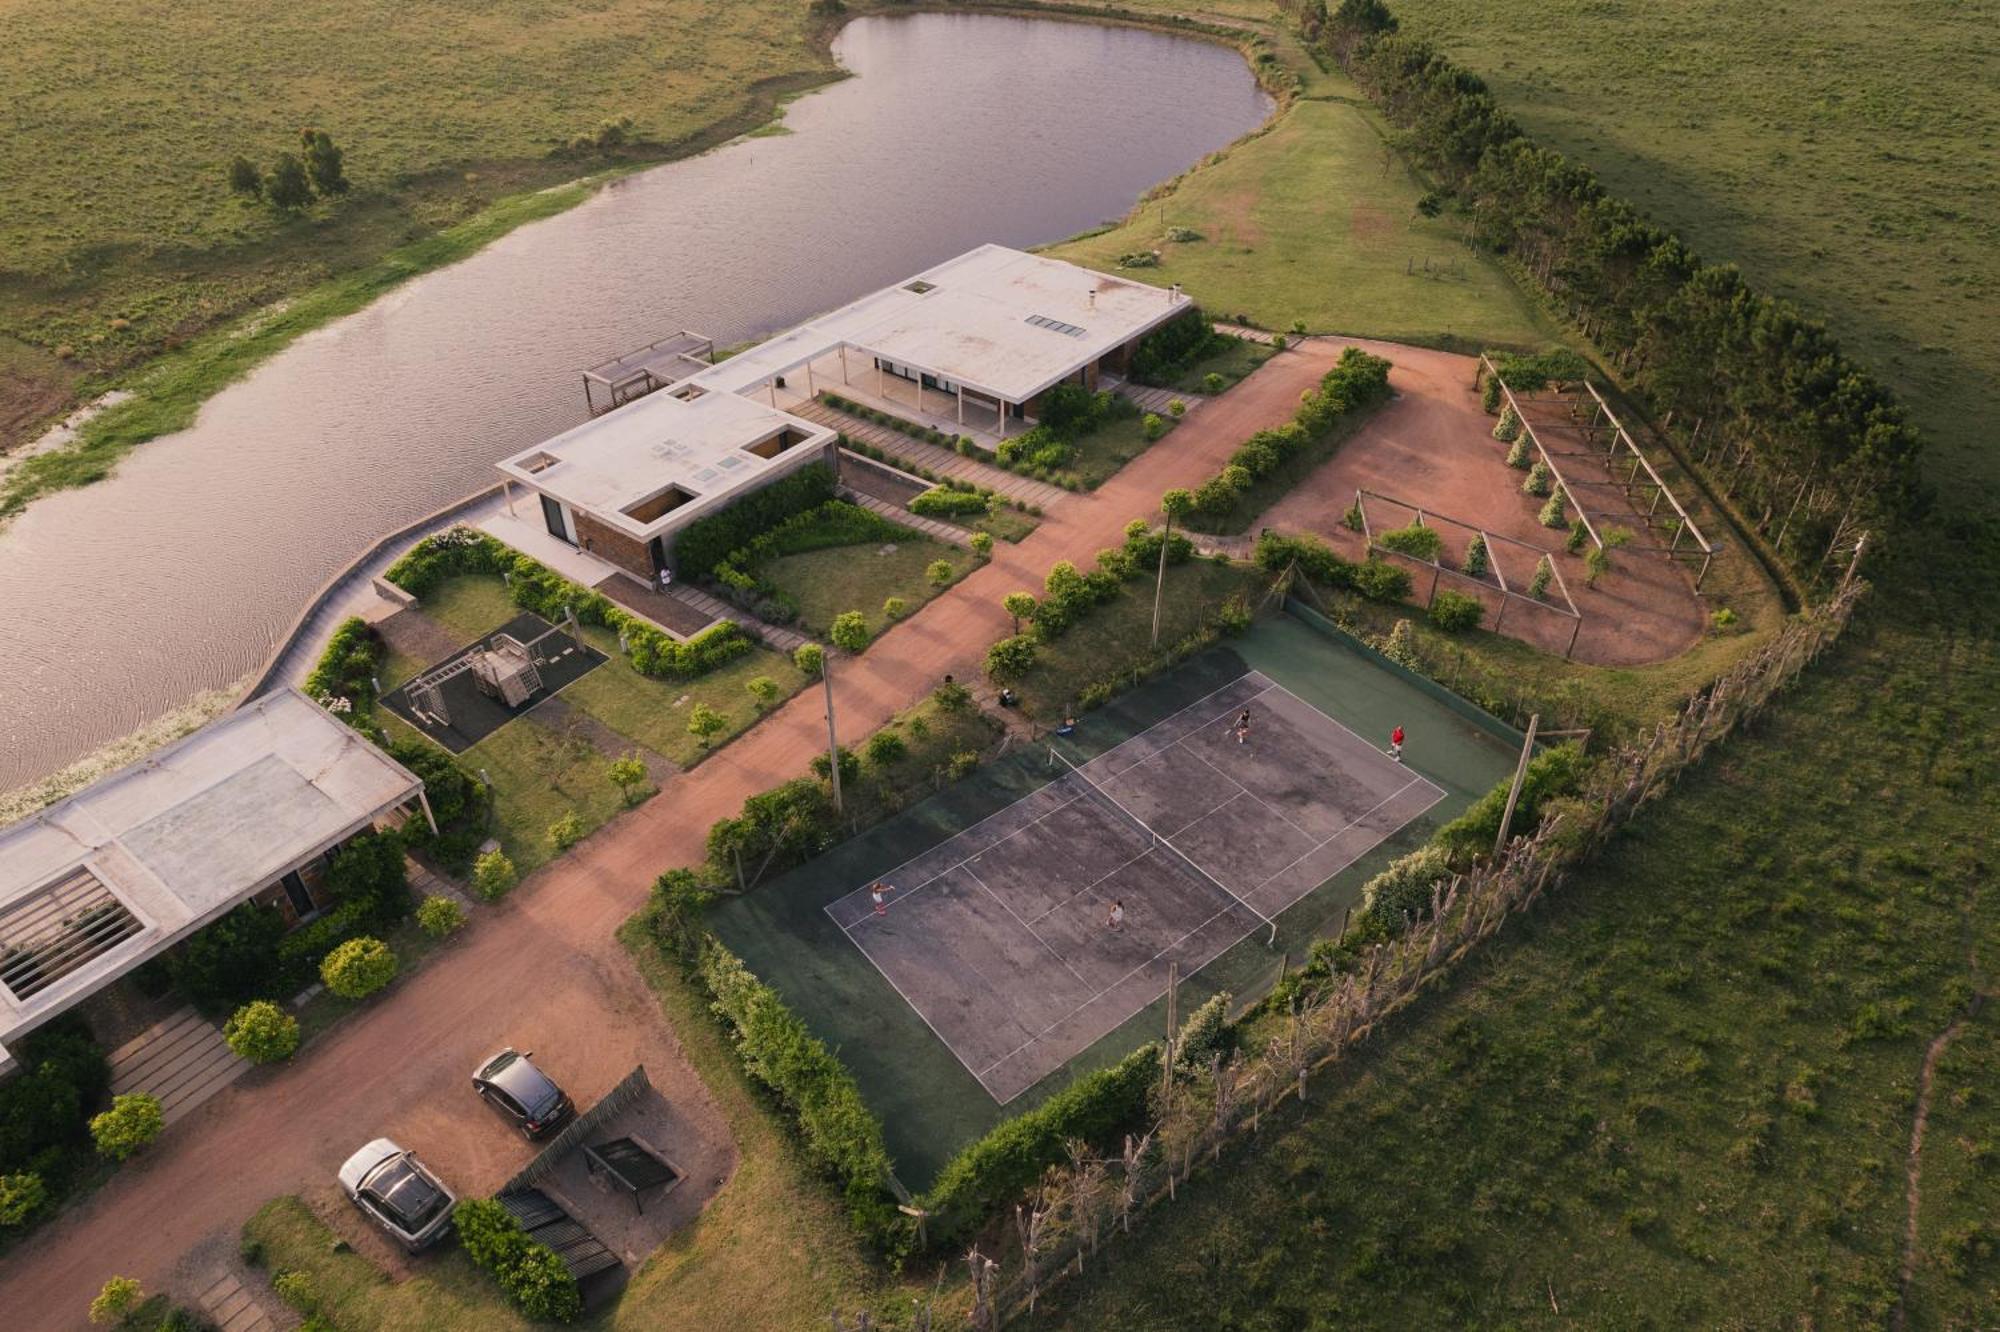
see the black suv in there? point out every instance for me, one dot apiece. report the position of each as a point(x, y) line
point(523, 1093)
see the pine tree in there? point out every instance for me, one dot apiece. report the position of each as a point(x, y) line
point(323, 162)
point(287, 187)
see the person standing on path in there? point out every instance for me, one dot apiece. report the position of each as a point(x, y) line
point(666, 578)
point(877, 894)
point(1396, 744)
point(1242, 726)
point(1116, 921)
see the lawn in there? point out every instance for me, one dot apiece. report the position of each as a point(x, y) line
point(1104, 450)
point(448, 1292)
point(1677, 1095)
point(122, 237)
point(1090, 652)
point(1234, 363)
point(655, 712)
point(1315, 221)
point(829, 582)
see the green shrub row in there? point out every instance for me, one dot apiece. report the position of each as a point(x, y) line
point(987, 1175)
point(832, 523)
point(840, 1133)
point(1166, 353)
point(535, 587)
point(534, 1276)
point(1358, 381)
point(1553, 772)
point(707, 542)
point(1374, 579)
point(960, 443)
point(1068, 594)
point(347, 667)
point(1068, 413)
point(948, 502)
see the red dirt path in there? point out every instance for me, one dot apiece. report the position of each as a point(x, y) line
point(1433, 446)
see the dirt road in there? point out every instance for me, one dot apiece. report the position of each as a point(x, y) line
point(543, 970)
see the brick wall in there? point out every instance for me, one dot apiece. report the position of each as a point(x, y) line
point(606, 543)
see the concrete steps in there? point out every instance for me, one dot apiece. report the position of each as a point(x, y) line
point(232, 1308)
point(182, 1060)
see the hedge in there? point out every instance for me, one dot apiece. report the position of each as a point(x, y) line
point(1551, 773)
point(45, 1107)
point(998, 1168)
point(707, 542)
point(1165, 354)
point(1374, 579)
point(533, 1275)
point(347, 667)
point(840, 1133)
point(949, 502)
point(537, 588)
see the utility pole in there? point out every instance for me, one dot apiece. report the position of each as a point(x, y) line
point(832, 745)
point(1520, 773)
point(1160, 591)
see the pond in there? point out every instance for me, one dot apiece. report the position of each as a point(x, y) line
point(179, 573)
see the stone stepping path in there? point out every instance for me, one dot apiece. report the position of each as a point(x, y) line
point(930, 527)
point(783, 639)
point(932, 457)
point(231, 1306)
point(183, 1060)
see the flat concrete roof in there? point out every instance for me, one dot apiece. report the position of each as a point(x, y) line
point(634, 454)
point(1001, 321)
point(151, 853)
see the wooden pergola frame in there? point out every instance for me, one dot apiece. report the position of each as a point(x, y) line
point(1439, 569)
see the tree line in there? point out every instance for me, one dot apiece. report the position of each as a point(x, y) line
point(1809, 445)
point(316, 171)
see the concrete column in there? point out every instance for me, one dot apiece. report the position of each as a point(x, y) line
point(810, 392)
point(920, 392)
point(878, 380)
point(843, 364)
point(507, 489)
point(961, 404)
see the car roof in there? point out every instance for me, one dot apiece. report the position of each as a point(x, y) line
point(405, 1190)
point(514, 1074)
point(357, 1166)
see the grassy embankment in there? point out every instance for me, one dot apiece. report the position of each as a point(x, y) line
point(122, 241)
point(1683, 1094)
point(1314, 223)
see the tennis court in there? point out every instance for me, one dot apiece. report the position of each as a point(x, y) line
point(999, 937)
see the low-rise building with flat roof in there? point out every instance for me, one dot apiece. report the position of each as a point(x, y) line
point(247, 807)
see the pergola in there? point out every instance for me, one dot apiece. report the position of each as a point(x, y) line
point(653, 367)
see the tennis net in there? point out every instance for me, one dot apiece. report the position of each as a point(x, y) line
point(1154, 839)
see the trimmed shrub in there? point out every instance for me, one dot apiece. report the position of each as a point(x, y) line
point(1476, 560)
point(262, 1032)
point(982, 545)
point(232, 961)
point(939, 573)
point(1508, 428)
point(1168, 351)
point(708, 542)
point(119, 1297)
point(1540, 480)
point(1489, 395)
point(21, 1196)
point(438, 916)
point(1453, 612)
point(1205, 1034)
point(346, 668)
point(951, 696)
point(809, 658)
point(531, 1273)
point(1176, 408)
point(1010, 658)
point(46, 1103)
point(358, 968)
point(568, 830)
point(1578, 534)
point(1596, 564)
point(1212, 383)
point(1379, 580)
point(849, 631)
point(989, 1174)
point(894, 608)
point(1521, 455)
point(1401, 645)
point(1538, 586)
point(1554, 513)
point(1152, 426)
point(945, 502)
point(1416, 540)
point(493, 874)
point(884, 748)
point(1402, 892)
point(1353, 520)
point(133, 1120)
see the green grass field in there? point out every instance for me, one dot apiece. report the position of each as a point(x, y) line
point(830, 582)
point(120, 239)
point(1315, 221)
point(1842, 153)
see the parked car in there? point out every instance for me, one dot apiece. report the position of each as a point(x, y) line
point(395, 1191)
point(511, 1084)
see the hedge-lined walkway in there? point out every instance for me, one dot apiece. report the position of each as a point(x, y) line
point(938, 459)
point(397, 1068)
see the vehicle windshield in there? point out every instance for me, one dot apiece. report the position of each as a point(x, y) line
point(410, 1200)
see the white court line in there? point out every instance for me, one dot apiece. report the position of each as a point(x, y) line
point(1127, 865)
point(1032, 933)
point(1171, 717)
point(1357, 823)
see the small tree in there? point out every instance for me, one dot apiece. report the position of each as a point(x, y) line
point(883, 748)
point(493, 874)
point(1176, 408)
point(1152, 426)
point(809, 658)
point(849, 631)
point(951, 696)
point(438, 915)
point(358, 968)
point(288, 188)
point(982, 545)
point(1455, 611)
point(133, 1120)
point(1475, 556)
point(1538, 586)
point(705, 723)
point(1508, 428)
point(764, 691)
point(939, 573)
point(1578, 534)
point(262, 1032)
point(1540, 480)
point(628, 774)
point(1596, 564)
point(120, 1296)
point(1521, 456)
point(894, 608)
point(1213, 383)
point(1402, 645)
point(568, 830)
point(20, 1197)
point(323, 163)
point(1554, 513)
point(244, 178)
point(1010, 658)
point(1019, 606)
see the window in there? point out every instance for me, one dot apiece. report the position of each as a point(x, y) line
point(1067, 330)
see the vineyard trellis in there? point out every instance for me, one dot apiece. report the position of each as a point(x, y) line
point(1062, 1225)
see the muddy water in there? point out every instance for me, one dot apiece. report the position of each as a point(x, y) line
point(180, 572)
